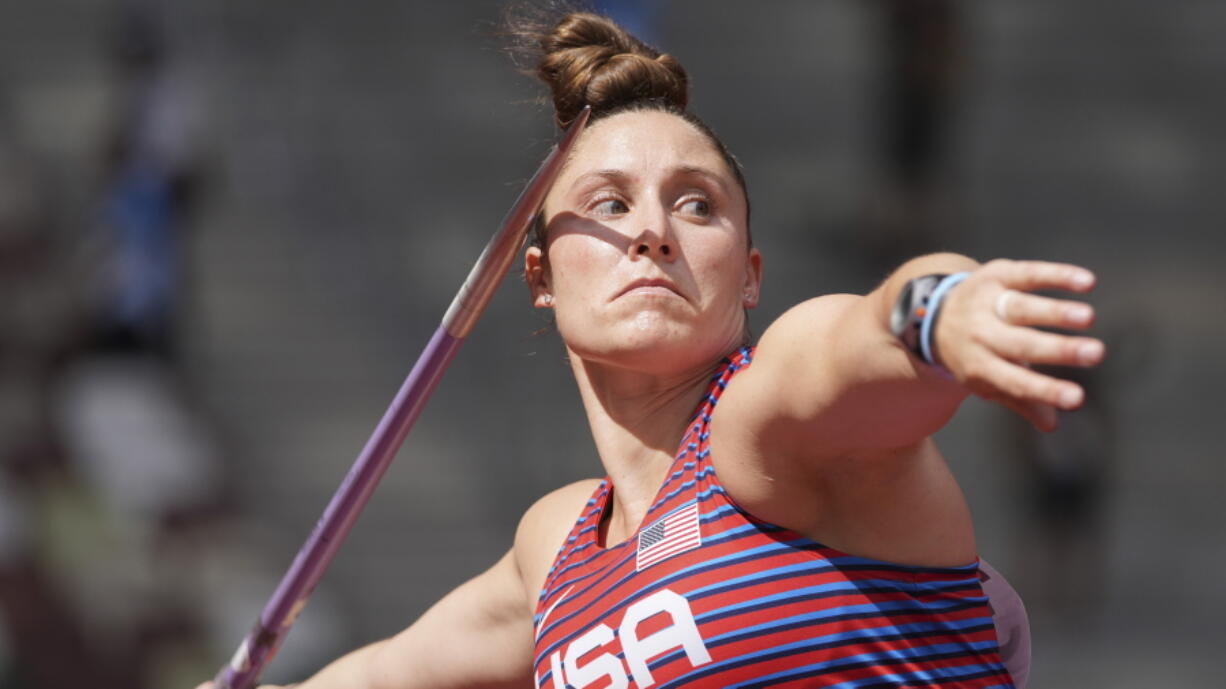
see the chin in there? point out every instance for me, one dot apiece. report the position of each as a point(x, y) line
point(653, 346)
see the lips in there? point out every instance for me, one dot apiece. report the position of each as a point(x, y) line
point(646, 287)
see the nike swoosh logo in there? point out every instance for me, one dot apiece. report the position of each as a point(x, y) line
point(540, 626)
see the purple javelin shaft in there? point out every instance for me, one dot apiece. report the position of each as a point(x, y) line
point(309, 565)
point(261, 644)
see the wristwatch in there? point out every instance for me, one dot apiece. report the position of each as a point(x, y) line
point(911, 307)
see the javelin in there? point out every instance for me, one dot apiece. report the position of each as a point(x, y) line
point(261, 644)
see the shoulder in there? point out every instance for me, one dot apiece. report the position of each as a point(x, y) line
point(763, 428)
point(544, 526)
point(798, 326)
point(783, 357)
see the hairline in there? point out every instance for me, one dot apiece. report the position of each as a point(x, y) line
point(537, 234)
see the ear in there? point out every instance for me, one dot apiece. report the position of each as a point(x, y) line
point(753, 279)
point(537, 276)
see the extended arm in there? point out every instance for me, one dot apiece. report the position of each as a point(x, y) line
point(831, 377)
point(479, 635)
point(829, 431)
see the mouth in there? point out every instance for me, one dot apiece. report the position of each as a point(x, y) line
point(655, 287)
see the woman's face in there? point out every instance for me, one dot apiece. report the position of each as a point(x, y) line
point(646, 262)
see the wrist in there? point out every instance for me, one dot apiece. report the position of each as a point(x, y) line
point(914, 316)
point(929, 324)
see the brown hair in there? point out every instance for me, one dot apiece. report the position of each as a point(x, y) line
point(586, 59)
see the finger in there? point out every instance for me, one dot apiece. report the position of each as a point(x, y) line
point(1038, 347)
point(1023, 384)
point(1019, 308)
point(1042, 416)
point(206, 685)
point(1048, 418)
point(1031, 275)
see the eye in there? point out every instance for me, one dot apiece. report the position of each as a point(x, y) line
point(609, 206)
point(697, 207)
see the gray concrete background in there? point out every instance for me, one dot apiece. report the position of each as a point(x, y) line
point(364, 151)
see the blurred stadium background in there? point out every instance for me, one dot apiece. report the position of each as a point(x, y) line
point(227, 229)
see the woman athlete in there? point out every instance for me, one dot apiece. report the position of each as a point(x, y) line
point(772, 516)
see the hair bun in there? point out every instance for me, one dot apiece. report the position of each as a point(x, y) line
point(589, 60)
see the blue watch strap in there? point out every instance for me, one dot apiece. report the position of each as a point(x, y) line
point(928, 325)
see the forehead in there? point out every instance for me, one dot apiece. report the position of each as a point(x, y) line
point(642, 142)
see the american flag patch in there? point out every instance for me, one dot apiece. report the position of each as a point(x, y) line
point(675, 532)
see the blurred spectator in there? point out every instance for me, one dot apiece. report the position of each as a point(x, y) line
point(639, 17)
point(909, 212)
point(110, 463)
point(38, 627)
point(151, 176)
point(1070, 474)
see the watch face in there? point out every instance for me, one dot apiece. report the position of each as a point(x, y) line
point(902, 311)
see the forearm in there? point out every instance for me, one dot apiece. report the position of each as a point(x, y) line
point(878, 378)
point(351, 671)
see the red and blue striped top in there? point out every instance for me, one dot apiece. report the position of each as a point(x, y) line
point(705, 595)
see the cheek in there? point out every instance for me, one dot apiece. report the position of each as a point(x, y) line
point(573, 261)
point(720, 267)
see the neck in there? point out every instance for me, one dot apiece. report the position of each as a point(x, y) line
point(637, 421)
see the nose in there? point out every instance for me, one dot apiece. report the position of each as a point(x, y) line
point(653, 244)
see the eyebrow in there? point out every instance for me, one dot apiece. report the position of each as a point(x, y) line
point(618, 175)
point(706, 174)
point(623, 176)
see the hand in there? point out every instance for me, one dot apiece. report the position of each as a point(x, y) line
point(986, 336)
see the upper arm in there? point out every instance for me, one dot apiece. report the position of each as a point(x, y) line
point(544, 527)
point(828, 431)
point(829, 380)
point(480, 635)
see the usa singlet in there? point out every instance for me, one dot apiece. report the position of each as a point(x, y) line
point(705, 595)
